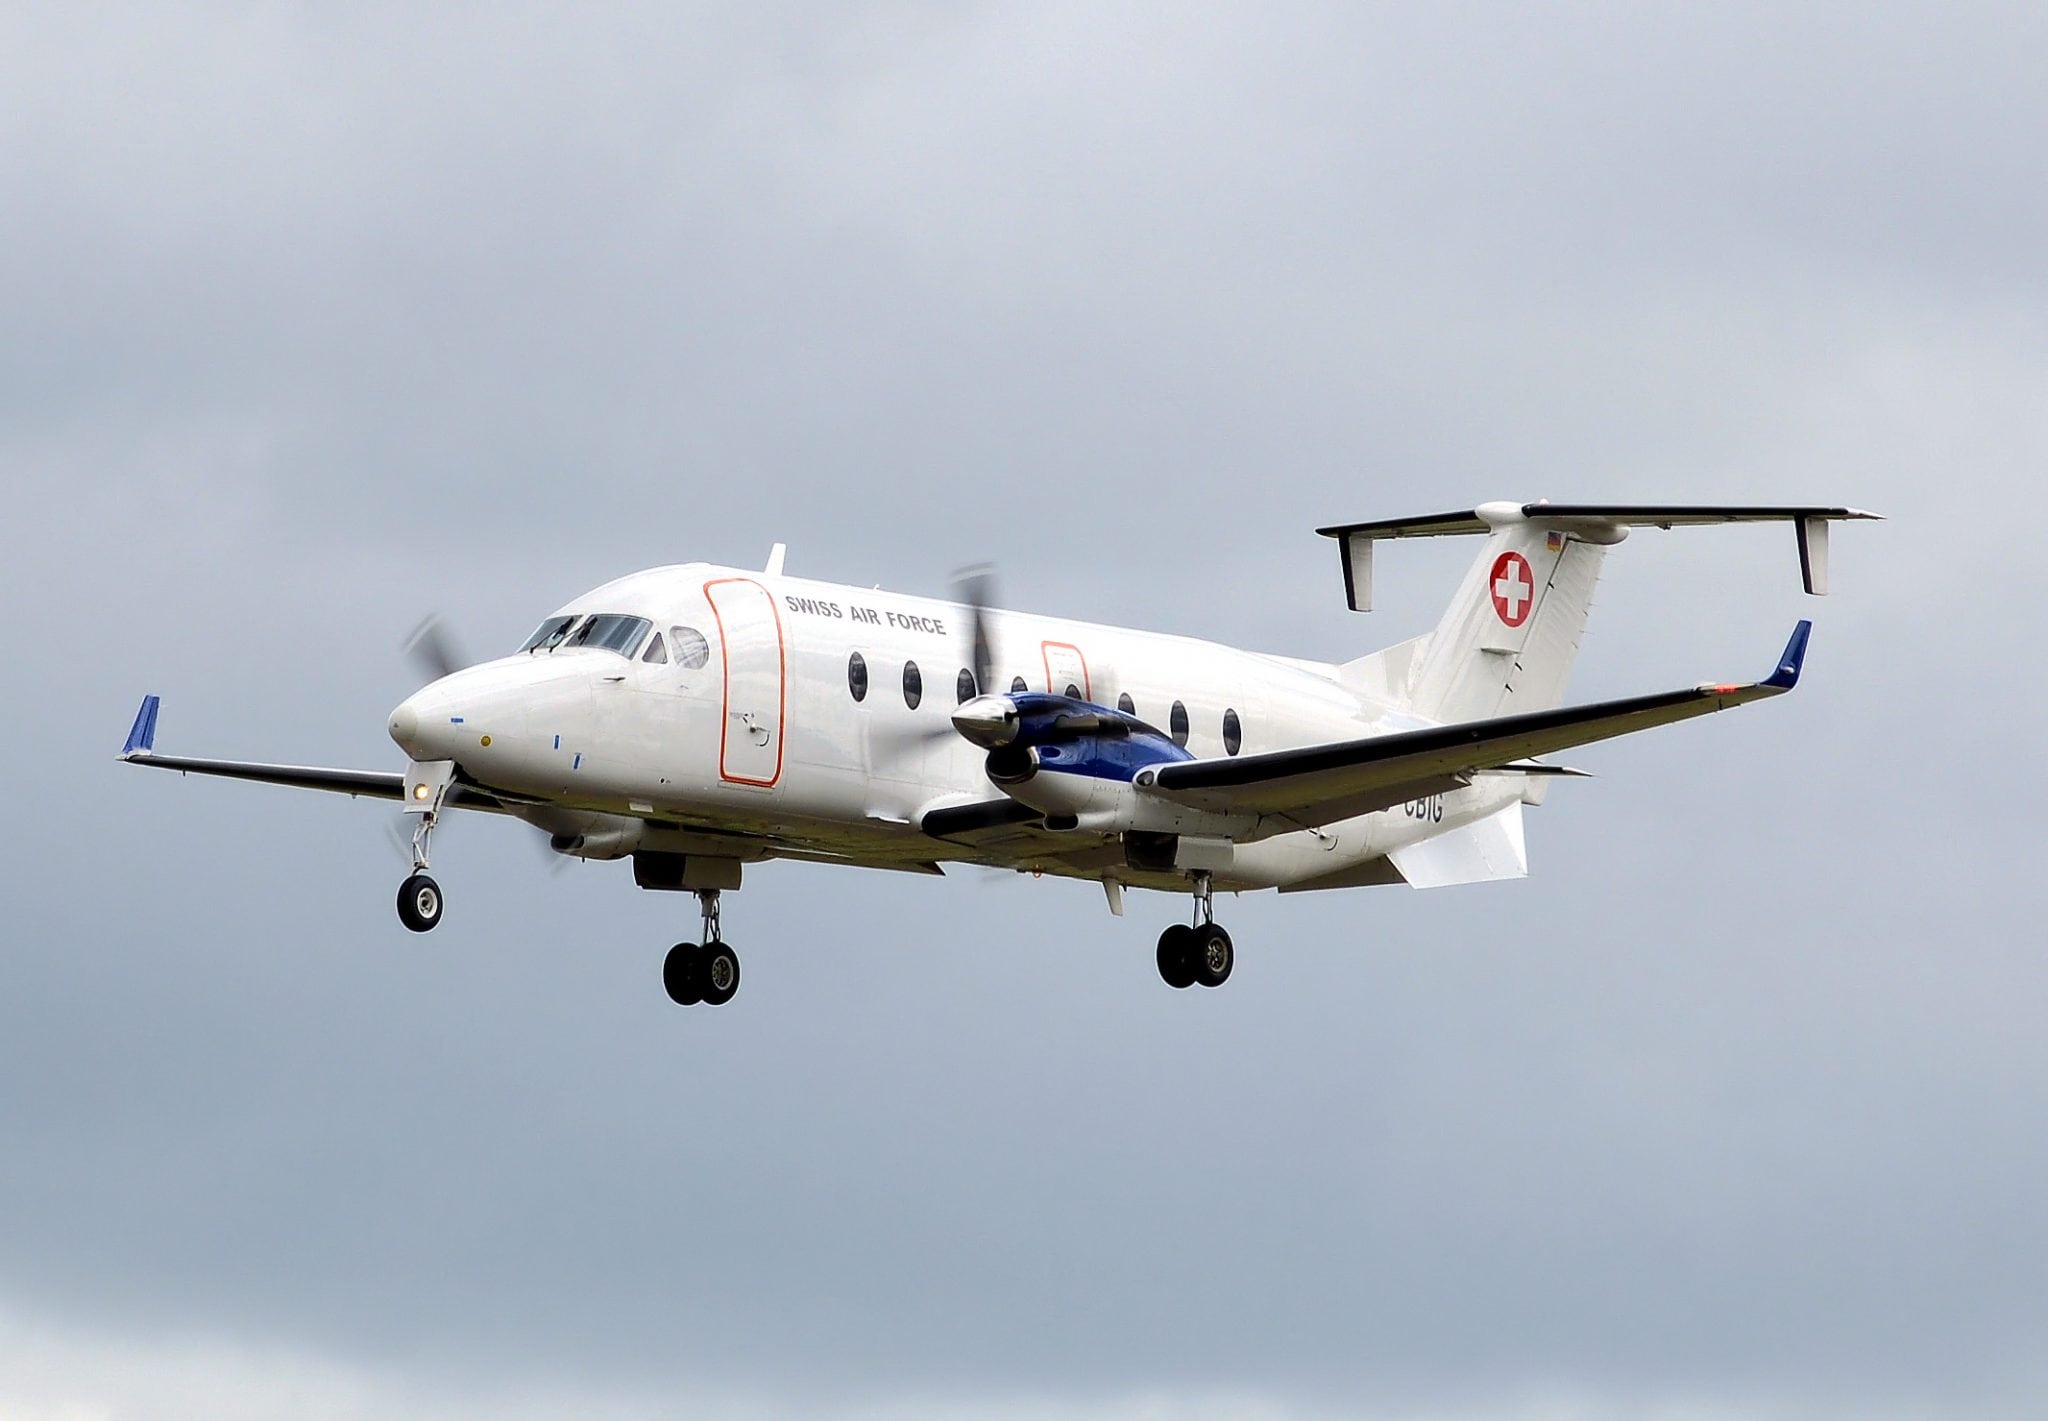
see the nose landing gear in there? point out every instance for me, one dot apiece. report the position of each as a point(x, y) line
point(709, 973)
point(419, 897)
point(1198, 953)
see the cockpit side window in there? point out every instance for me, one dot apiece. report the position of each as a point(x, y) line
point(656, 652)
point(549, 634)
point(612, 631)
point(692, 650)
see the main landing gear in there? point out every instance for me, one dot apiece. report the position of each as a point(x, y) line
point(1200, 952)
point(709, 973)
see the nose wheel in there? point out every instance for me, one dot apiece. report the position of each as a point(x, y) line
point(708, 972)
point(419, 903)
point(1201, 952)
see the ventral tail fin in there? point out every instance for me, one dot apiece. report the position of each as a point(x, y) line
point(1507, 641)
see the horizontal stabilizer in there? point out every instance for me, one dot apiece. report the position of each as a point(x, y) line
point(1591, 522)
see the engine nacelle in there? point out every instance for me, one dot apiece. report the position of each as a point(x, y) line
point(1089, 793)
point(605, 837)
point(1057, 781)
point(1075, 763)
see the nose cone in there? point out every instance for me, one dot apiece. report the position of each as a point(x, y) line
point(470, 716)
point(405, 728)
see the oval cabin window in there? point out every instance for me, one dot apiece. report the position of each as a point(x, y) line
point(963, 685)
point(1177, 724)
point(689, 647)
point(1233, 733)
point(913, 685)
point(857, 676)
point(1125, 704)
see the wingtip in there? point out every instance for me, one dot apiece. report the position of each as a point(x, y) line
point(142, 735)
point(1792, 660)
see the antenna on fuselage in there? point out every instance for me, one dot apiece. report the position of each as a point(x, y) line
point(774, 568)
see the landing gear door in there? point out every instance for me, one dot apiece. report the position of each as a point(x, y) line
point(755, 696)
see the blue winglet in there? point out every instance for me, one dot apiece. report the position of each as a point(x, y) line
point(1787, 674)
point(142, 734)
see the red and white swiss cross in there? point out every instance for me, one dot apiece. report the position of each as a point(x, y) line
point(1513, 588)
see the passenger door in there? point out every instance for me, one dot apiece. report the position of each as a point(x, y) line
point(754, 695)
point(1066, 670)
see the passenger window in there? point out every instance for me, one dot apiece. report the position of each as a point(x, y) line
point(1233, 733)
point(1073, 691)
point(1017, 685)
point(656, 652)
point(692, 651)
point(857, 676)
point(913, 685)
point(1177, 724)
point(964, 686)
point(1125, 704)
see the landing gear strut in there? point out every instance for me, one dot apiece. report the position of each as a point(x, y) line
point(1197, 952)
point(709, 973)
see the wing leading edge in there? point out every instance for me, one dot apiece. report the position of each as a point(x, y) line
point(140, 749)
point(1320, 784)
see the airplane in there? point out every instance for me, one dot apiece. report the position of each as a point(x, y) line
point(697, 719)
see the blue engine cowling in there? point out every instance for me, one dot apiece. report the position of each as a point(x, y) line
point(1058, 753)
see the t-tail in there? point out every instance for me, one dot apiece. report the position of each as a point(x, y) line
point(1508, 639)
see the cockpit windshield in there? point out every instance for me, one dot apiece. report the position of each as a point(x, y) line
point(613, 632)
point(550, 634)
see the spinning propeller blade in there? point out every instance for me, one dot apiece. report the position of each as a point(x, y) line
point(975, 586)
point(432, 648)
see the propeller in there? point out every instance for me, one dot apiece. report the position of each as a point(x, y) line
point(975, 586)
point(993, 718)
point(432, 648)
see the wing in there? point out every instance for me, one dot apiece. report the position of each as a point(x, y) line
point(1321, 784)
point(374, 784)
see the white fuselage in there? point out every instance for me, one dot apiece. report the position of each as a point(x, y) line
point(764, 747)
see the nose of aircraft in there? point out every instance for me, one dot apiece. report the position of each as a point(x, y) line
point(430, 724)
point(487, 711)
point(405, 727)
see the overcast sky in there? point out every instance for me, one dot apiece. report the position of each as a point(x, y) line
point(315, 319)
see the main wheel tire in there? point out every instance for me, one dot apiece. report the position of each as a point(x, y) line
point(1213, 955)
point(419, 903)
point(720, 973)
point(682, 973)
point(1176, 956)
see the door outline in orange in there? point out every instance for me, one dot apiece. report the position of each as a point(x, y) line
point(725, 687)
point(1045, 655)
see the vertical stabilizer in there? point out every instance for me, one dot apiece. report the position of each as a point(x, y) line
point(1507, 641)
